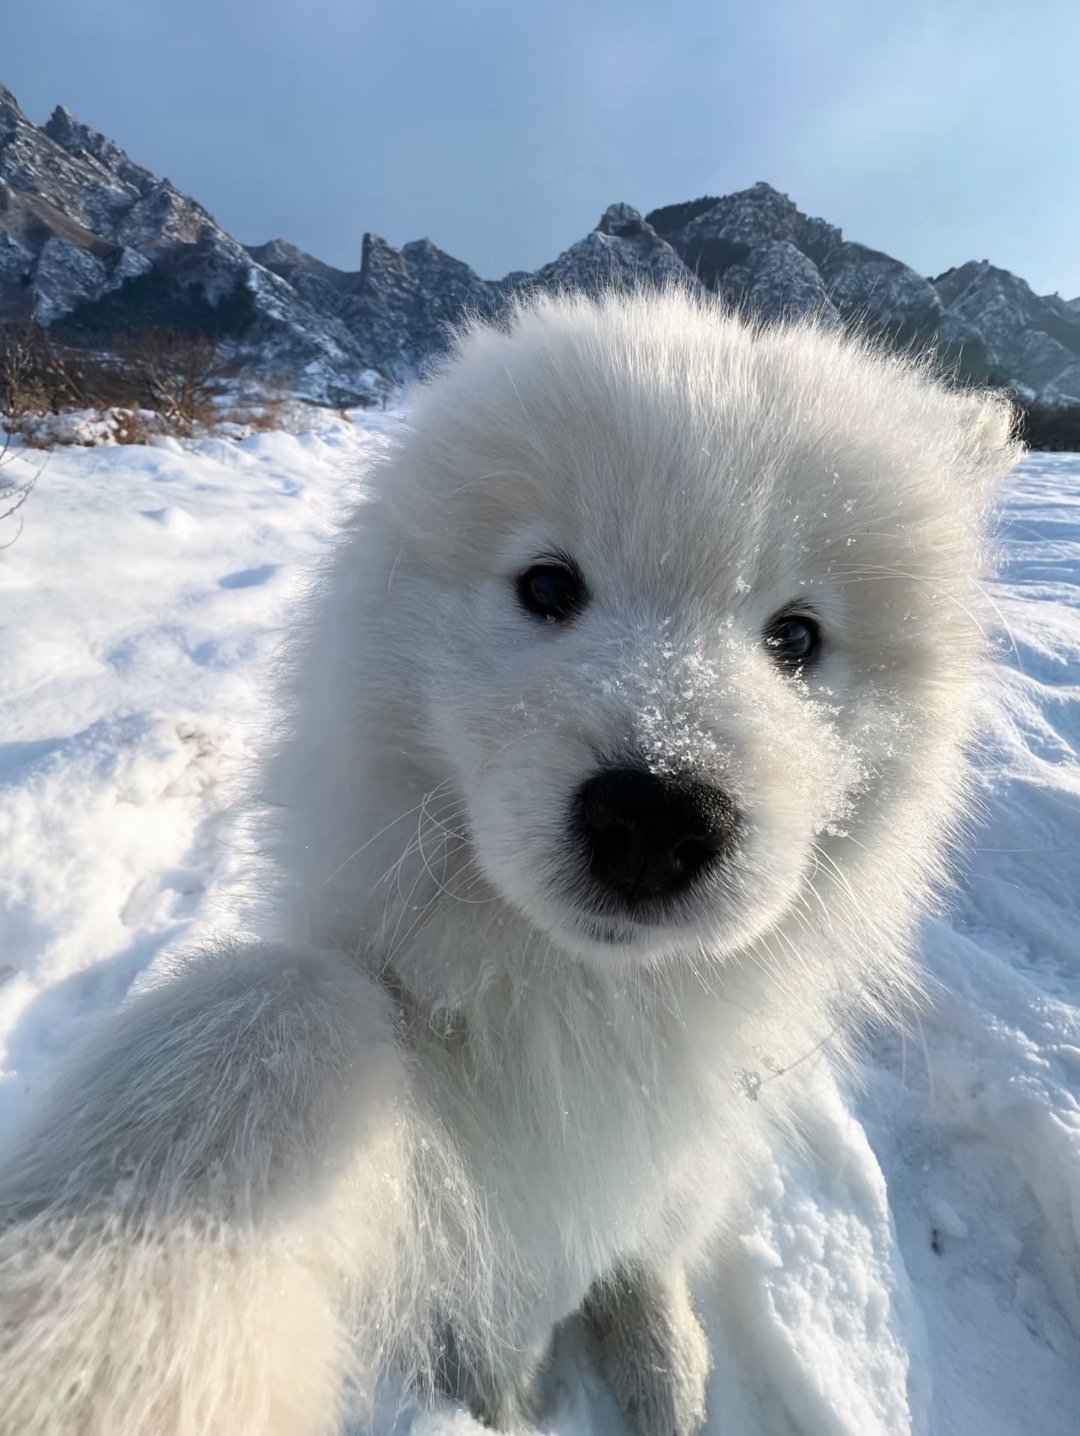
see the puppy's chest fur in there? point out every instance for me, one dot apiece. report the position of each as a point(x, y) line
point(582, 1118)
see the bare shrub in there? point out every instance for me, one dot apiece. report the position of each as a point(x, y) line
point(154, 383)
point(24, 377)
point(39, 376)
point(132, 428)
point(176, 375)
point(269, 414)
point(13, 496)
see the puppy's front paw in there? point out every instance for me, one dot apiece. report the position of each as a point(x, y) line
point(650, 1347)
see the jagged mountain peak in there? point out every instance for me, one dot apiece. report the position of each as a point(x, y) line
point(11, 113)
point(281, 250)
point(623, 220)
point(68, 130)
point(82, 142)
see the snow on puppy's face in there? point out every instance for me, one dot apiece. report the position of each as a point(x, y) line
point(690, 610)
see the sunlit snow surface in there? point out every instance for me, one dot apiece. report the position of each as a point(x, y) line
point(920, 1269)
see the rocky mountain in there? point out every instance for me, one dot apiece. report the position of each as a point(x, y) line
point(96, 247)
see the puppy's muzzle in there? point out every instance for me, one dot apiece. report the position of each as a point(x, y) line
point(649, 837)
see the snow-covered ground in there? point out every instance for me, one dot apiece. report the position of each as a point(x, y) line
point(919, 1268)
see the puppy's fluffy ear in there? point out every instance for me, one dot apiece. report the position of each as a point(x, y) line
point(989, 428)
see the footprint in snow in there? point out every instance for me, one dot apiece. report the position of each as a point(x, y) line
point(249, 577)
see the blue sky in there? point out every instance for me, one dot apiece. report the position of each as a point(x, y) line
point(938, 132)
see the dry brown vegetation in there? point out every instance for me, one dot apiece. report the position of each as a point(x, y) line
point(40, 377)
point(176, 377)
point(157, 383)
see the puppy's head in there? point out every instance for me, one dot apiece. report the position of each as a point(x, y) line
point(687, 609)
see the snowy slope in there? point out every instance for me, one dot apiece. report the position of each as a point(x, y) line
point(139, 609)
point(918, 1268)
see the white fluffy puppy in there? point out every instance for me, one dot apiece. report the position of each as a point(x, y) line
point(627, 732)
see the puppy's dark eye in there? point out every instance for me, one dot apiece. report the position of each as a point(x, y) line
point(552, 589)
point(793, 639)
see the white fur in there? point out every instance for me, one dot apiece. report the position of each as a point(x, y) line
point(445, 1106)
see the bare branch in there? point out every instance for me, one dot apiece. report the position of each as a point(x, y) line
point(13, 496)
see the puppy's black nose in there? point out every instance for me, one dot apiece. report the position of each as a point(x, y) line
point(649, 835)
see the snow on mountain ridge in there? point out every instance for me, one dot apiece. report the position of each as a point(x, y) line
point(82, 226)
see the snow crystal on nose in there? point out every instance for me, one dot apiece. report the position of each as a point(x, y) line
point(674, 694)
